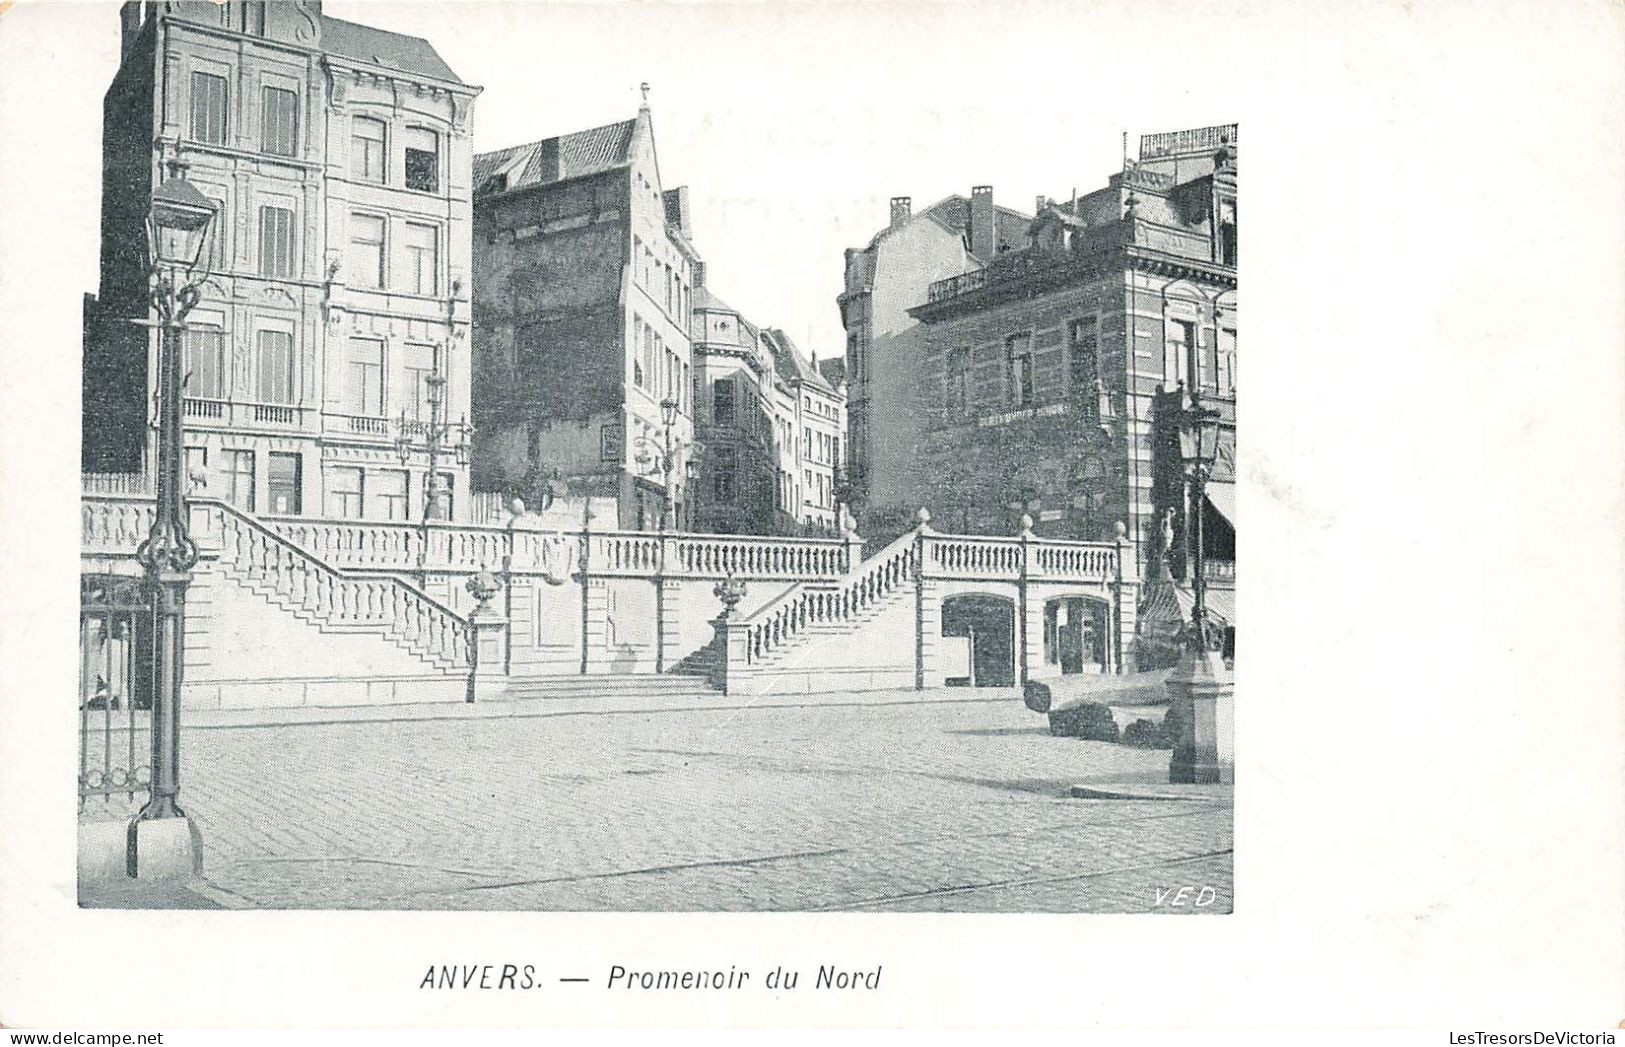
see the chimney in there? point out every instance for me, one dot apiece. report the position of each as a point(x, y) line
point(698, 269)
point(900, 208)
point(1039, 204)
point(982, 243)
point(129, 17)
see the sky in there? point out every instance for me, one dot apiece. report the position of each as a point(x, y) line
point(792, 124)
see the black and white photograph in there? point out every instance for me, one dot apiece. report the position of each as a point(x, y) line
point(726, 514)
point(450, 486)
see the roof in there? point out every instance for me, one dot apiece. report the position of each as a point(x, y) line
point(952, 212)
point(789, 361)
point(363, 43)
point(555, 159)
point(704, 299)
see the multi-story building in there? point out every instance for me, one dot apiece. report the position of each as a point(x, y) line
point(1053, 377)
point(337, 156)
point(771, 425)
point(883, 348)
point(583, 288)
point(811, 460)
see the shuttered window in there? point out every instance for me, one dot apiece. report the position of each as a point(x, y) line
point(274, 368)
point(364, 377)
point(205, 363)
point(279, 121)
point(367, 153)
point(209, 108)
point(276, 242)
point(366, 250)
point(422, 258)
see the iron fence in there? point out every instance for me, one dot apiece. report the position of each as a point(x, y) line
point(115, 696)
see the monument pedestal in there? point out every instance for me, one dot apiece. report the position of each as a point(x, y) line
point(1202, 691)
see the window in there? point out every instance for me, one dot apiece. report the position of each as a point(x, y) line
point(364, 378)
point(1082, 355)
point(1207, 366)
point(276, 242)
point(1176, 353)
point(443, 505)
point(250, 16)
point(611, 441)
point(209, 108)
point(274, 371)
point(1019, 363)
point(344, 492)
point(1227, 232)
point(637, 357)
point(386, 488)
point(197, 466)
point(422, 160)
point(282, 483)
point(422, 258)
point(648, 356)
point(722, 401)
point(419, 369)
point(957, 396)
point(367, 250)
point(722, 481)
point(205, 363)
point(279, 121)
point(807, 446)
point(239, 470)
point(367, 153)
point(1227, 360)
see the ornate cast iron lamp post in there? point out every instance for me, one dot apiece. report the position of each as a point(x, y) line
point(663, 460)
point(178, 223)
point(1198, 449)
point(435, 437)
point(1200, 687)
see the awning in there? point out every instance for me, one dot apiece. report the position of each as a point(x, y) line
point(1222, 497)
point(1170, 605)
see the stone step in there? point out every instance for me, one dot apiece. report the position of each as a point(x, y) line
point(545, 687)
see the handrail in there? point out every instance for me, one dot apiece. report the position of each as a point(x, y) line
point(812, 603)
point(371, 598)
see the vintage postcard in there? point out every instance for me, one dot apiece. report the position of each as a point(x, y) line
point(572, 465)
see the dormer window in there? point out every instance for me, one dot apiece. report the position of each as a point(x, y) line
point(422, 160)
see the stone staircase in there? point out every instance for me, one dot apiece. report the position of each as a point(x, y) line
point(334, 600)
point(641, 685)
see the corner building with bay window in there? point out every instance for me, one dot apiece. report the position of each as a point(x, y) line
point(338, 158)
point(1055, 375)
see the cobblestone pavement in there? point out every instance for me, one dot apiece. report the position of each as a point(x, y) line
point(926, 807)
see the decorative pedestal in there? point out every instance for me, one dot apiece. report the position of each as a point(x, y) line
point(1202, 690)
point(487, 654)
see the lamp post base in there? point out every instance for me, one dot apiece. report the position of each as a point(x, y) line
point(1202, 690)
point(163, 849)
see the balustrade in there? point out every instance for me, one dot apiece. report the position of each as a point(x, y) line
point(803, 605)
point(290, 564)
point(974, 557)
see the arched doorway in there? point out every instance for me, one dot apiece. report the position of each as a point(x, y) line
point(984, 628)
point(1077, 634)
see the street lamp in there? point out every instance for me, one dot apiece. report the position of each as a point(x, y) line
point(178, 222)
point(1200, 688)
point(435, 438)
point(1198, 449)
point(663, 460)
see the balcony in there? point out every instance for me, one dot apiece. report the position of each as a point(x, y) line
point(275, 414)
point(1219, 572)
point(228, 414)
point(197, 407)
